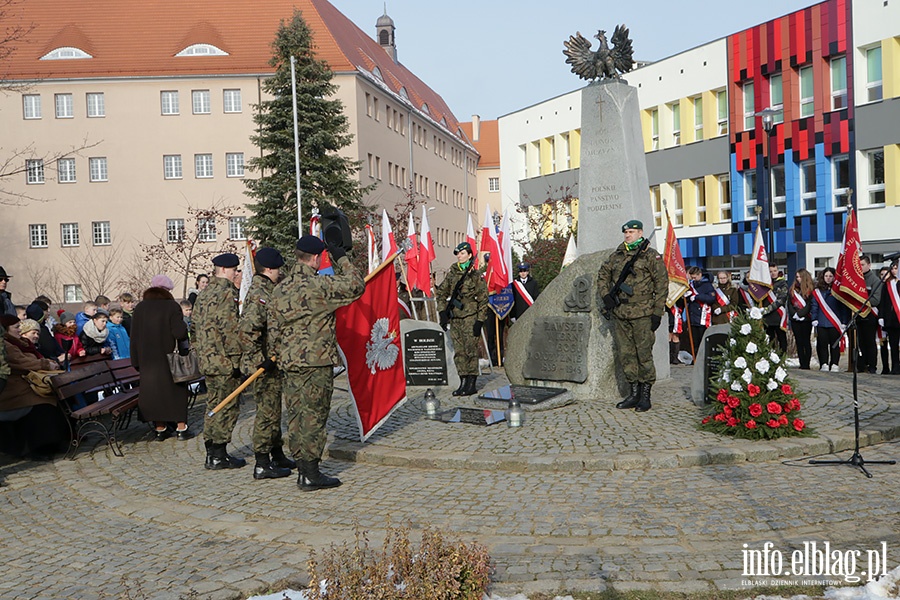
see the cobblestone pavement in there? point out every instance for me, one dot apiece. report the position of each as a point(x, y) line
point(581, 497)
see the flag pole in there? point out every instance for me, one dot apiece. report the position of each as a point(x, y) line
point(497, 332)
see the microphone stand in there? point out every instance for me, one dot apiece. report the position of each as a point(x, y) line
point(856, 460)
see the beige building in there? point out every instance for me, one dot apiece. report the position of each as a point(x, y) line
point(485, 136)
point(160, 111)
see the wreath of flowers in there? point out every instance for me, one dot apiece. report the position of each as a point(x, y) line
point(755, 397)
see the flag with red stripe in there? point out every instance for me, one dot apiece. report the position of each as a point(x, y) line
point(849, 283)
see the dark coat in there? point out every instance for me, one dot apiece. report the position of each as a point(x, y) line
point(47, 344)
point(521, 305)
point(705, 294)
point(155, 329)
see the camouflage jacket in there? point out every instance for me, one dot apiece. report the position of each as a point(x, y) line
point(473, 294)
point(301, 314)
point(649, 281)
point(215, 328)
point(254, 332)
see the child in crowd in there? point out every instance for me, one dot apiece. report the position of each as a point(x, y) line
point(186, 310)
point(66, 334)
point(118, 337)
point(95, 335)
point(21, 312)
point(85, 315)
point(102, 302)
point(126, 300)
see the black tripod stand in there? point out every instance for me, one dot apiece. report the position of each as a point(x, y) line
point(856, 460)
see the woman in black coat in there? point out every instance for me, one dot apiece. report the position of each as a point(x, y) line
point(156, 329)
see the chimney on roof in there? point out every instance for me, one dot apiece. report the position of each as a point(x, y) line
point(476, 128)
point(384, 33)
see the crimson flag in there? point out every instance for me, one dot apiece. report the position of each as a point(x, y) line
point(678, 277)
point(849, 283)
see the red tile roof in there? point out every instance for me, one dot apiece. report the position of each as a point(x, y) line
point(130, 38)
point(488, 144)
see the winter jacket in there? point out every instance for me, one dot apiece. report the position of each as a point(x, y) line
point(119, 341)
point(817, 314)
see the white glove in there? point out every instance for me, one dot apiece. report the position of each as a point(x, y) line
point(691, 297)
point(815, 323)
point(512, 319)
point(718, 311)
point(881, 322)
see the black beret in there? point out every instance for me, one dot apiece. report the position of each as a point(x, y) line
point(311, 245)
point(269, 258)
point(228, 260)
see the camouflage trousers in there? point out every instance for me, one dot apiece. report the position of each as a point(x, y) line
point(307, 398)
point(267, 425)
point(634, 343)
point(465, 346)
point(217, 428)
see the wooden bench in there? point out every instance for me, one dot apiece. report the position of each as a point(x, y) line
point(120, 397)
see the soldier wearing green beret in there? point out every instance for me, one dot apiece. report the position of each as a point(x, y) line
point(636, 315)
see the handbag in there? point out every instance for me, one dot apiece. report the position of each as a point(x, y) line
point(184, 368)
point(40, 382)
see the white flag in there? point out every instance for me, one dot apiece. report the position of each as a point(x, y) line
point(571, 251)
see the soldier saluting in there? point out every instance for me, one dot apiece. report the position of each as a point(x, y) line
point(632, 284)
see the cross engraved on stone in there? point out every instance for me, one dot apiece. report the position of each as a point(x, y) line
point(600, 107)
point(579, 299)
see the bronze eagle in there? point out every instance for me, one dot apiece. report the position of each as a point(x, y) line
point(606, 61)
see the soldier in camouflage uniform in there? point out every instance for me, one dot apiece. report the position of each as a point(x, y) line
point(257, 354)
point(636, 316)
point(215, 335)
point(465, 312)
point(302, 333)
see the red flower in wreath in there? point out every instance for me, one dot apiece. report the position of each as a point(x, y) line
point(732, 422)
point(750, 424)
point(788, 406)
point(705, 420)
point(786, 390)
point(774, 408)
point(727, 410)
point(734, 401)
point(799, 424)
point(783, 419)
point(773, 423)
point(753, 390)
point(795, 404)
point(722, 396)
point(720, 417)
point(755, 409)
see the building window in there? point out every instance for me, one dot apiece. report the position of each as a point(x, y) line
point(654, 129)
point(776, 97)
point(31, 105)
point(751, 199)
point(206, 230)
point(749, 107)
point(234, 164)
point(656, 202)
point(172, 166)
point(202, 50)
point(200, 102)
point(69, 234)
point(779, 205)
point(72, 292)
point(724, 198)
point(875, 180)
point(838, 83)
point(65, 106)
point(236, 228)
point(676, 123)
point(65, 168)
point(808, 186)
point(493, 184)
point(722, 112)
point(102, 233)
point(96, 104)
point(567, 156)
point(231, 100)
point(840, 181)
point(34, 171)
point(700, 187)
point(169, 103)
point(807, 92)
point(37, 236)
point(678, 214)
point(174, 230)
point(698, 118)
point(873, 74)
point(203, 166)
point(98, 169)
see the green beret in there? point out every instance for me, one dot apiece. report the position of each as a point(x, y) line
point(632, 224)
point(463, 246)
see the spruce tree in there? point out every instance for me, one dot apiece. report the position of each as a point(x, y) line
point(325, 175)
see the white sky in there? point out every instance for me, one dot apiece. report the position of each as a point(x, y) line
point(491, 57)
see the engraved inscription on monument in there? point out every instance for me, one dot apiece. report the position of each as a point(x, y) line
point(558, 349)
point(426, 359)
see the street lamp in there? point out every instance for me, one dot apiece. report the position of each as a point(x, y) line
point(768, 122)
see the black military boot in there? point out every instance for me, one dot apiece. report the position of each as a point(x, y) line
point(311, 479)
point(267, 469)
point(632, 399)
point(280, 460)
point(461, 390)
point(471, 380)
point(217, 458)
point(644, 404)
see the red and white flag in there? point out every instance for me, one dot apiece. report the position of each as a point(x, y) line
point(412, 256)
point(368, 335)
point(372, 249)
point(315, 228)
point(426, 255)
point(470, 237)
point(505, 241)
point(493, 275)
point(678, 277)
point(849, 283)
point(759, 280)
point(388, 243)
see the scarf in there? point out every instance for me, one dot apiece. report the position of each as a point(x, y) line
point(24, 345)
point(634, 245)
point(464, 266)
point(95, 334)
point(61, 329)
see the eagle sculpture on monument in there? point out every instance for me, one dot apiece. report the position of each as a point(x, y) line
point(606, 62)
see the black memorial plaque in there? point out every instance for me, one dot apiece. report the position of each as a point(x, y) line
point(716, 345)
point(558, 349)
point(425, 356)
point(525, 394)
point(473, 416)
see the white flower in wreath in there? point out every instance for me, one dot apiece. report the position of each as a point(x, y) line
point(756, 313)
point(732, 341)
point(726, 375)
point(762, 366)
point(780, 374)
point(740, 362)
point(746, 329)
point(736, 386)
point(774, 358)
point(747, 375)
point(751, 348)
point(771, 385)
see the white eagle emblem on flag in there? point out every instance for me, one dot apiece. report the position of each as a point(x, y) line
point(381, 351)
